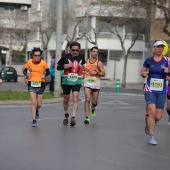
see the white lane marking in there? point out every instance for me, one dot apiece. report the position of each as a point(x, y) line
point(49, 118)
point(127, 107)
point(115, 102)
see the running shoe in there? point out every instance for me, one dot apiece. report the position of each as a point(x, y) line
point(65, 121)
point(87, 120)
point(93, 112)
point(169, 121)
point(152, 140)
point(34, 123)
point(72, 121)
point(37, 114)
point(146, 127)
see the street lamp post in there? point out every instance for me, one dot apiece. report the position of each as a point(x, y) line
point(59, 22)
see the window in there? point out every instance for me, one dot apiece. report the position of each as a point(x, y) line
point(103, 26)
point(119, 28)
point(115, 54)
point(9, 10)
point(135, 55)
point(81, 2)
point(6, 38)
point(103, 56)
point(39, 5)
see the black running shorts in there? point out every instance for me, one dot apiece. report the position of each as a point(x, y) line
point(68, 88)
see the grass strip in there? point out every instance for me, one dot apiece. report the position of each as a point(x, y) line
point(20, 95)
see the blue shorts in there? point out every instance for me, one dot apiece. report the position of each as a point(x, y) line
point(155, 98)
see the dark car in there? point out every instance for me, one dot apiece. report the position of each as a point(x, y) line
point(1, 70)
point(8, 73)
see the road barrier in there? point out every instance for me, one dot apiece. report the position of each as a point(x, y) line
point(117, 85)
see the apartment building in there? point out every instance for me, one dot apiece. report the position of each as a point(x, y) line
point(99, 19)
point(13, 18)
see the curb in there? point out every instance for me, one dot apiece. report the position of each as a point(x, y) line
point(27, 102)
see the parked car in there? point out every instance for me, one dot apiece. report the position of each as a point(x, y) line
point(9, 73)
point(0, 70)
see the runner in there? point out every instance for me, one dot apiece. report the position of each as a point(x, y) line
point(94, 70)
point(155, 88)
point(36, 81)
point(168, 99)
point(72, 64)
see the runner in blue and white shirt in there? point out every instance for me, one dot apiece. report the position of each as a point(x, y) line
point(156, 68)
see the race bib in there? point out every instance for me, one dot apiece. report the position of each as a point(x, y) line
point(35, 83)
point(156, 84)
point(91, 80)
point(72, 77)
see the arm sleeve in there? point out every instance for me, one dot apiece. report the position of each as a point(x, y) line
point(25, 71)
point(60, 67)
point(83, 61)
point(47, 72)
point(61, 63)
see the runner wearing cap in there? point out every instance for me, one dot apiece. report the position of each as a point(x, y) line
point(155, 68)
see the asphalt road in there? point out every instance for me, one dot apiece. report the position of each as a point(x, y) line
point(115, 139)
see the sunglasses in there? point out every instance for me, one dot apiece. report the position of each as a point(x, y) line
point(37, 55)
point(74, 50)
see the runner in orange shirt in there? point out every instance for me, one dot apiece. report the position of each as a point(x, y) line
point(34, 70)
point(94, 70)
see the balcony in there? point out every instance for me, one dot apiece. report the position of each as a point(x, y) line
point(13, 21)
point(26, 2)
point(17, 45)
point(35, 17)
point(108, 35)
point(13, 17)
point(110, 11)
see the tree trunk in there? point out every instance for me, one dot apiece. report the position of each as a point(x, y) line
point(124, 72)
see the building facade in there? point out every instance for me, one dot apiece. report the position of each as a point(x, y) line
point(102, 22)
point(14, 17)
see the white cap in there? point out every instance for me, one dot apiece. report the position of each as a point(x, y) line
point(157, 43)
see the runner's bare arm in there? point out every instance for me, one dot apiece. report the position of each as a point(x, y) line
point(144, 72)
point(102, 70)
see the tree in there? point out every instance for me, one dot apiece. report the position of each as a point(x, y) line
point(73, 26)
point(133, 16)
point(12, 29)
point(162, 5)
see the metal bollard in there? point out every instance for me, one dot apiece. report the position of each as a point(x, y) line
point(117, 85)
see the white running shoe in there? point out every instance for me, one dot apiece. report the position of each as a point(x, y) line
point(152, 140)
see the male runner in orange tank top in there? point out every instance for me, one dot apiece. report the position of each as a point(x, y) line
point(94, 70)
